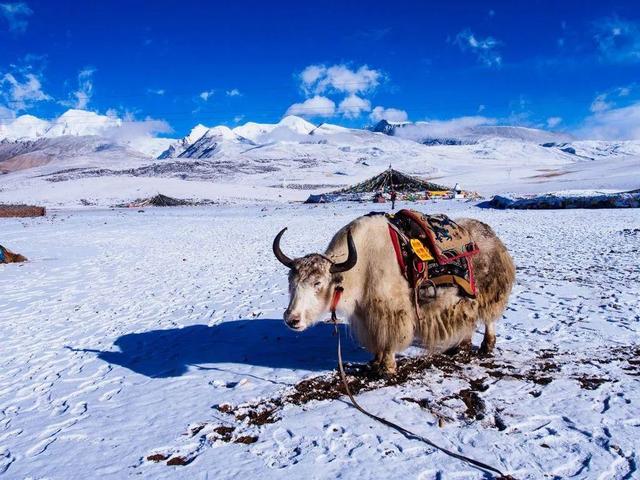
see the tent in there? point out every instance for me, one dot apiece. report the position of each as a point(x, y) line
point(157, 201)
point(392, 179)
point(387, 181)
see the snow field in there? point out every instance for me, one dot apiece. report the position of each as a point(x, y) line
point(125, 330)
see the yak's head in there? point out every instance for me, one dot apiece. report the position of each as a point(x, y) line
point(312, 281)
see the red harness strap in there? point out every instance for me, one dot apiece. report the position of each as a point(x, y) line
point(337, 293)
point(396, 247)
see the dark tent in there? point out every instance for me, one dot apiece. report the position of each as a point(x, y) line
point(392, 179)
point(157, 201)
point(387, 181)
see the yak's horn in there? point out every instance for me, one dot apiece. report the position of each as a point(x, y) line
point(351, 260)
point(286, 261)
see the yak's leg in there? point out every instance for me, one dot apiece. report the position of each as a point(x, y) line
point(384, 364)
point(376, 361)
point(464, 346)
point(489, 341)
point(387, 364)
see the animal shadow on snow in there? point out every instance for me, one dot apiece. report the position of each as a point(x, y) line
point(259, 342)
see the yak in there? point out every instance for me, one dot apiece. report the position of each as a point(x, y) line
point(7, 256)
point(377, 301)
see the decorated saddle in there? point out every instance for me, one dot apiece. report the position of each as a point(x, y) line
point(432, 251)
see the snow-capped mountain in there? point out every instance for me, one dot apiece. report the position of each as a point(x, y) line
point(176, 147)
point(24, 127)
point(82, 123)
point(46, 155)
point(290, 158)
point(203, 142)
point(388, 128)
point(442, 133)
point(72, 122)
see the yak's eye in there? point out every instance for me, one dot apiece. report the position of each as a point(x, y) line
point(317, 284)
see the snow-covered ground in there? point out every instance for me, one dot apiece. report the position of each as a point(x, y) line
point(126, 329)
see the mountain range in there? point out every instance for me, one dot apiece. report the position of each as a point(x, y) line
point(290, 158)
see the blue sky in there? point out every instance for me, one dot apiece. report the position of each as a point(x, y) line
point(570, 65)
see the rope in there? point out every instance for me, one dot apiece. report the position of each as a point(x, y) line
point(407, 433)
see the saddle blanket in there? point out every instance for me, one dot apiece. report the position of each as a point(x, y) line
point(433, 249)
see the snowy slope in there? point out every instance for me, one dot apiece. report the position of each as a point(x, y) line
point(82, 123)
point(47, 155)
point(24, 127)
point(448, 133)
point(176, 147)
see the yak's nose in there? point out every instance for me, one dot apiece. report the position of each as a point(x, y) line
point(292, 319)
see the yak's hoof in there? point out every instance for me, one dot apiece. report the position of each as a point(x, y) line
point(380, 371)
point(387, 373)
point(461, 348)
point(486, 349)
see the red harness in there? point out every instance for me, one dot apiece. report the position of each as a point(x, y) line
point(337, 293)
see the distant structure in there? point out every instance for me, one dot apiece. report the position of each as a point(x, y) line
point(373, 189)
point(159, 200)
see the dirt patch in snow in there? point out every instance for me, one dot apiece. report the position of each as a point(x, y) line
point(244, 422)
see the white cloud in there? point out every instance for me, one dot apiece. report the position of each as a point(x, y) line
point(156, 91)
point(613, 124)
point(16, 15)
point(443, 128)
point(129, 129)
point(207, 94)
point(485, 49)
point(600, 103)
point(388, 114)
point(234, 92)
point(618, 40)
point(312, 74)
point(353, 106)
point(317, 106)
point(319, 79)
point(85, 88)
point(6, 115)
point(553, 122)
point(20, 95)
point(607, 100)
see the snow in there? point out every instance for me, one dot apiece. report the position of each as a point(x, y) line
point(221, 131)
point(253, 130)
point(195, 133)
point(29, 160)
point(292, 154)
point(81, 122)
point(297, 124)
point(25, 126)
point(563, 200)
point(126, 328)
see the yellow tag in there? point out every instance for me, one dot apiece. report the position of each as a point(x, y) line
point(423, 253)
